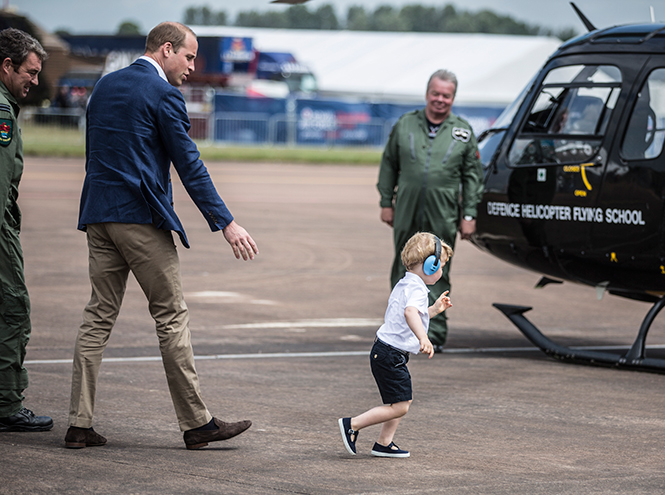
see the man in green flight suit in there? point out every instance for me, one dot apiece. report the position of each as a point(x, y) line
point(21, 58)
point(431, 180)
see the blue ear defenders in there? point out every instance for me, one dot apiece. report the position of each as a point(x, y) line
point(433, 261)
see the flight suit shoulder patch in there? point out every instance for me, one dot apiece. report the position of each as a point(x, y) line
point(4, 107)
point(6, 131)
point(461, 134)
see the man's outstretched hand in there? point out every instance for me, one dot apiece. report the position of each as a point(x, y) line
point(241, 242)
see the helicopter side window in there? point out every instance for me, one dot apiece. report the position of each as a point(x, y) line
point(569, 116)
point(645, 133)
point(488, 143)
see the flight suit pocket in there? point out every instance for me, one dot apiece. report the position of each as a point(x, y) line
point(449, 152)
point(13, 217)
point(14, 307)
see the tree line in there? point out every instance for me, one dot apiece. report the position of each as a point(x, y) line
point(410, 18)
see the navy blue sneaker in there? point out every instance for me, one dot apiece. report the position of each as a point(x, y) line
point(380, 451)
point(347, 433)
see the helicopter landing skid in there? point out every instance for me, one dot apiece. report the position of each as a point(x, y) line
point(635, 359)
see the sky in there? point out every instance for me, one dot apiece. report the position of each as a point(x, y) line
point(104, 16)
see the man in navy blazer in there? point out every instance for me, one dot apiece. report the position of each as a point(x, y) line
point(137, 126)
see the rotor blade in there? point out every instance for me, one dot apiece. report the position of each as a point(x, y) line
point(292, 2)
point(587, 23)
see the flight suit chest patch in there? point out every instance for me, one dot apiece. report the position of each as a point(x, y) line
point(6, 131)
point(461, 134)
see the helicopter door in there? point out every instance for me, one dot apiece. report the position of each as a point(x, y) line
point(632, 199)
point(556, 156)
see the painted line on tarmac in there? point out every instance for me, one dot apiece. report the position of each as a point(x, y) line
point(315, 323)
point(280, 355)
point(211, 357)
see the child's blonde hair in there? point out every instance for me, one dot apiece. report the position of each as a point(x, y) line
point(420, 247)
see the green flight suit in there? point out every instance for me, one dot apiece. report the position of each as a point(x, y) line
point(14, 302)
point(431, 183)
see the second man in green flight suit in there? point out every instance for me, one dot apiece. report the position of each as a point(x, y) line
point(21, 58)
point(431, 180)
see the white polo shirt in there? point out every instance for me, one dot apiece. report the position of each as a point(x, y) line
point(409, 291)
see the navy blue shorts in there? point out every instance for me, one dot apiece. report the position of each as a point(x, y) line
point(390, 372)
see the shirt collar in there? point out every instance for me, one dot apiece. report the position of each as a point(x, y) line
point(160, 71)
point(412, 277)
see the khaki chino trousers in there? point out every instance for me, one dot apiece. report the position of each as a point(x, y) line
point(150, 254)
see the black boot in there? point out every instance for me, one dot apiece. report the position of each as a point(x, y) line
point(25, 420)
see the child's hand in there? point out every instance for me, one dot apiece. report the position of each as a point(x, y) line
point(442, 303)
point(426, 347)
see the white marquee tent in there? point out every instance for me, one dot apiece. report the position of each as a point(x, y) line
point(491, 69)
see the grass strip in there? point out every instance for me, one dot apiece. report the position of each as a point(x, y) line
point(58, 142)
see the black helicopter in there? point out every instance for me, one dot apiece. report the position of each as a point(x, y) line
point(575, 178)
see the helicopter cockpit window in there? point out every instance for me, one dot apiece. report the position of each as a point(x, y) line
point(491, 139)
point(646, 129)
point(569, 116)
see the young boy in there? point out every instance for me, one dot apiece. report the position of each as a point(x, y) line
point(403, 332)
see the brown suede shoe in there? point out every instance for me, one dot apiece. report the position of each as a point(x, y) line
point(195, 439)
point(77, 438)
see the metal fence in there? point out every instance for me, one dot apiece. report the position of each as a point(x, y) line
point(66, 118)
point(264, 129)
point(243, 128)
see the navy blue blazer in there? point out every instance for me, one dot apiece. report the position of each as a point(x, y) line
point(136, 127)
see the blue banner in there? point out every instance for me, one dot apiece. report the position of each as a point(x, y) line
point(320, 121)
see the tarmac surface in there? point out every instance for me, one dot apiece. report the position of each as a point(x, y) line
point(283, 341)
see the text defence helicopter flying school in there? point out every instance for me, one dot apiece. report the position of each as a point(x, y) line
point(575, 178)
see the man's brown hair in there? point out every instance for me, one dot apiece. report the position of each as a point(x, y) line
point(167, 32)
point(17, 45)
